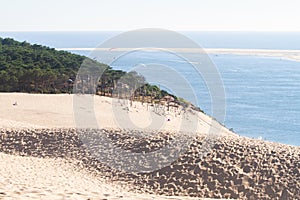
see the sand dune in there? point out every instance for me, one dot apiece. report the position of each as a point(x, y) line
point(44, 156)
point(20, 111)
point(57, 111)
point(56, 178)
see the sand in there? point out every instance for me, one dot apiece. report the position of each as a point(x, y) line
point(24, 177)
point(56, 178)
point(58, 111)
point(42, 155)
point(284, 54)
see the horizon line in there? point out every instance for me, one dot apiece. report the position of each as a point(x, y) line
point(286, 31)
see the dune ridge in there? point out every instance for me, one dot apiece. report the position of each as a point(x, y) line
point(236, 167)
point(41, 136)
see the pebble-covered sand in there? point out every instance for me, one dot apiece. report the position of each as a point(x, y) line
point(236, 167)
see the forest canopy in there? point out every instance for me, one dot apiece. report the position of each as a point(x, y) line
point(34, 68)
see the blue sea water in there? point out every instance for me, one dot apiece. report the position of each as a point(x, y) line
point(262, 93)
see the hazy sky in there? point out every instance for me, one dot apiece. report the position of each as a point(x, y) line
point(87, 15)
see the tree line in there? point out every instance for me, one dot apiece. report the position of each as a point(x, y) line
point(33, 68)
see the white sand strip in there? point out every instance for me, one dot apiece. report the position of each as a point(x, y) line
point(284, 54)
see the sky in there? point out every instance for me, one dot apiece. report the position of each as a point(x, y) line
point(122, 15)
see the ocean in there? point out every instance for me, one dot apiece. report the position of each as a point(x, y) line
point(262, 93)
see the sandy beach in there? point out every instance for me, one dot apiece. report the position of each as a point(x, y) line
point(283, 54)
point(43, 156)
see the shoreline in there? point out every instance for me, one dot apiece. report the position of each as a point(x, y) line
point(293, 55)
